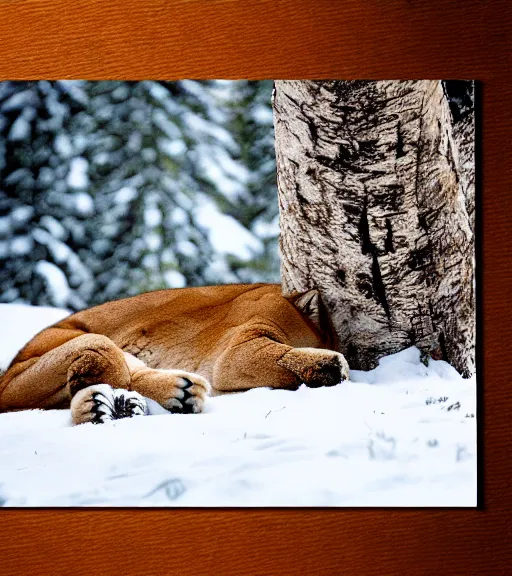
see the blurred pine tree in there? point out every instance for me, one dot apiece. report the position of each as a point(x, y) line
point(108, 189)
point(251, 124)
point(43, 208)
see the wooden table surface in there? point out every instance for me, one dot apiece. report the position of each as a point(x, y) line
point(363, 39)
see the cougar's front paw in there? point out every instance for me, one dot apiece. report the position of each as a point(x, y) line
point(316, 367)
point(329, 370)
point(178, 391)
point(101, 403)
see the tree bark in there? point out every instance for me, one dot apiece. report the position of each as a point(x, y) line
point(464, 136)
point(372, 214)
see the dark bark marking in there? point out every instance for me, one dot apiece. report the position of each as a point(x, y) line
point(341, 165)
point(300, 197)
point(418, 153)
point(313, 131)
point(310, 122)
point(460, 95)
point(365, 285)
point(364, 230)
point(451, 160)
point(388, 243)
point(442, 345)
point(454, 265)
point(292, 100)
point(330, 247)
point(419, 259)
point(378, 284)
point(341, 277)
point(422, 221)
point(345, 152)
point(367, 247)
point(351, 209)
point(351, 355)
point(399, 143)
point(312, 173)
point(431, 310)
point(389, 197)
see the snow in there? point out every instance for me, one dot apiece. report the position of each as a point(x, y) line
point(21, 245)
point(178, 217)
point(264, 229)
point(19, 323)
point(149, 261)
point(153, 241)
point(16, 176)
point(167, 125)
point(187, 248)
point(5, 226)
point(226, 234)
point(262, 115)
point(20, 129)
point(78, 173)
point(402, 434)
point(125, 195)
point(217, 166)
point(175, 279)
point(56, 281)
point(54, 227)
point(22, 214)
point(152, 216)
point(205, 131)
point(84, 203)
point(63, 145)
point(20, 100)
point(174, 148)
point(59, 250)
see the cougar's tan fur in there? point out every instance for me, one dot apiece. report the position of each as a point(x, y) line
point(235, 337)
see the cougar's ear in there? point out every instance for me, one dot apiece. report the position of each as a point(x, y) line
point(310, 304)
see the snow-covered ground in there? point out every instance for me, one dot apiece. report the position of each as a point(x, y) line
point(400, 435)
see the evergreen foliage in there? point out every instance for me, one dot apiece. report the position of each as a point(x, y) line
point(42, 210)
point(108, 189)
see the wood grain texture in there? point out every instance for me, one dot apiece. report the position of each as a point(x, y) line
point(292, 39)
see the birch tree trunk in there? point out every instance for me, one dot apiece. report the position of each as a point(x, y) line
point(464, 136)
point(372, 213)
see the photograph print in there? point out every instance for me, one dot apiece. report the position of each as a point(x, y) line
point(234, 293)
